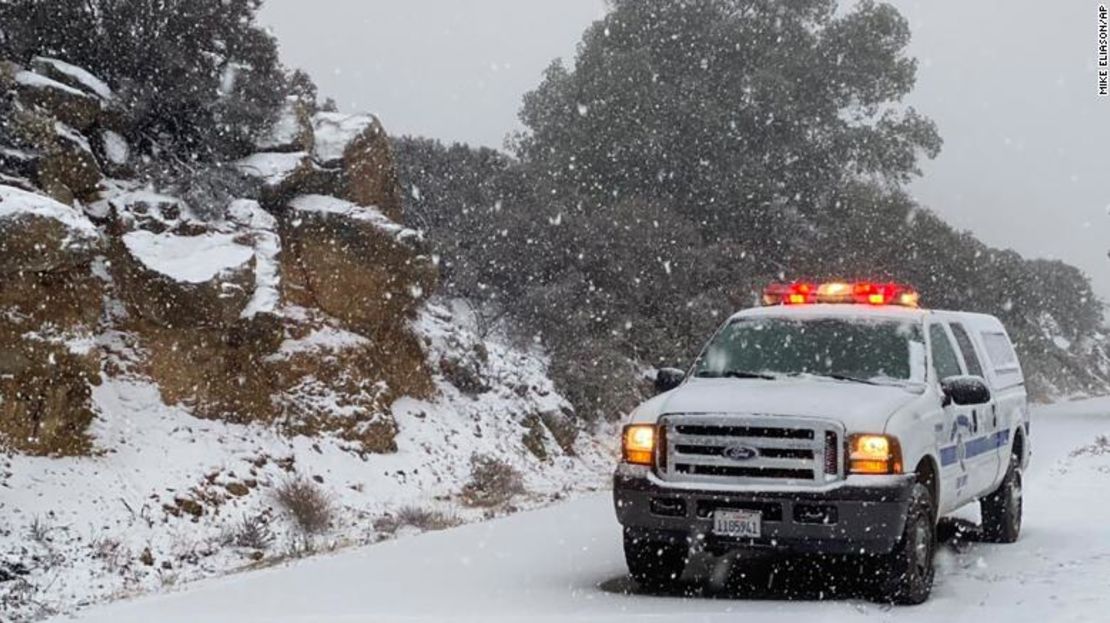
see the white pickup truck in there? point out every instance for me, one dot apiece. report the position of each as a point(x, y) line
point(838, 418)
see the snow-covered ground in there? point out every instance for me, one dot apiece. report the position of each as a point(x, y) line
point(565, 564)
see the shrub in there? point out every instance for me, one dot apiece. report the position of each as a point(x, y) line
point(426, 519)
point(252, 532)
point(492, 481)
point(307, 503)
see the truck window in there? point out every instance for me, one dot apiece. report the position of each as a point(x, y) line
point(944, 356)
point(1000, 352)
point(967, 348)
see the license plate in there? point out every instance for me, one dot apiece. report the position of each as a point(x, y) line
point(738, 523)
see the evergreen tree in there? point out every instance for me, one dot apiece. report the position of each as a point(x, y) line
point(198, 77)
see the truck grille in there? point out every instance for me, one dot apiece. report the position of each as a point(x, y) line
point(731, 449)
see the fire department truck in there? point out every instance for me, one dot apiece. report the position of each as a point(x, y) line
point(838, 418)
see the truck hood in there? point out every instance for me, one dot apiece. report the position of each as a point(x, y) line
point(857, 406)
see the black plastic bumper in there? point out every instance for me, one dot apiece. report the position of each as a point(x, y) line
point(843, 520)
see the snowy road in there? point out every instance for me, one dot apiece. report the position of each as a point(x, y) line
point(565, 564)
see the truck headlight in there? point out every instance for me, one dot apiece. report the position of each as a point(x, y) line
point(874, 454)
point(638, 444)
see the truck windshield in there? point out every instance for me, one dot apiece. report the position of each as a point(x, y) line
point(872, 351)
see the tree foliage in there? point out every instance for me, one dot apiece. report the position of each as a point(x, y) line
point(695, 151)
point(198, 77)
point(728, 108)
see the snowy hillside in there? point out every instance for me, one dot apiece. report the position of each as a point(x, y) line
point(168, 498)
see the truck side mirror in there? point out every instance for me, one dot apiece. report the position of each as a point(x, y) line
point(667, 379)
point(965, 390)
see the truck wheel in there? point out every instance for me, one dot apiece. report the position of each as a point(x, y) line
point(1001, 510)
point(907, 571)
point(654, 564)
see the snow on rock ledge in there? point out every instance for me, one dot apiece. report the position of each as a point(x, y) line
point(272, 168)
point(185, 281)
point(72, 76)
point(190, 259)
point(325, 205)
point(334, 131)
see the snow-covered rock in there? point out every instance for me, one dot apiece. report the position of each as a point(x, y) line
point(354, 263)
point(39, 234)
point(325, 205)
point(186, 281)
point(65, 103)
point(72, 76)
point(49, 302)
point(273, 168)
point(334, 132)
point(189, 259)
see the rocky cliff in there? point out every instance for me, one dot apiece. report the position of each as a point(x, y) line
point(286, 297)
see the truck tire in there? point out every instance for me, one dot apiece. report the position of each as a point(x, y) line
point(654, 564)
point(1002, 509)
point(906, 573)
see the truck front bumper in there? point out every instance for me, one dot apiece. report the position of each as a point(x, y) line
point(844, 519)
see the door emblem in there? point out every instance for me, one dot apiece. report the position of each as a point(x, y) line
point(740, 453)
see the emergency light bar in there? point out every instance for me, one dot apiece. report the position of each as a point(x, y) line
point(859, 293)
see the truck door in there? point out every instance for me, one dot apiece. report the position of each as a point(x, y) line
point(956, 469)
point(984, 447)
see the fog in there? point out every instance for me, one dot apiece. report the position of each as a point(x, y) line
point(1011, 85)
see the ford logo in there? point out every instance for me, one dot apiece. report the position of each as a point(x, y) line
point(740, 453)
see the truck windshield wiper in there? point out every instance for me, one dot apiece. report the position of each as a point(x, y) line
point(737, 374)
point(853, 379)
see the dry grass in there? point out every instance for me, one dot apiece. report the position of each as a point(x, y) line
point(307, 503)
point(251, 532)
point(492, 481)
point(1100, 447)
point(425, 519)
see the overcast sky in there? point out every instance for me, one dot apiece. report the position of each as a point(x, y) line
point(1010, 83)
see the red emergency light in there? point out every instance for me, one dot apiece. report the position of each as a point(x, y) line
point(859, 293)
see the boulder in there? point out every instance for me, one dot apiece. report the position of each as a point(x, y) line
point(333, 132)
point(39, 234)
point(68, 105)
point(353, 263)
point(45, 395)
point(68, 168)
point(63, 161)
point(184, 281)
point(52, 302)
point(220, 372)
point(285, 175)
point(369, 172)
point(359, 145)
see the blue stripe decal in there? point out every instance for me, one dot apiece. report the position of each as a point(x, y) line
point(948, 456)
point(975, 447)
